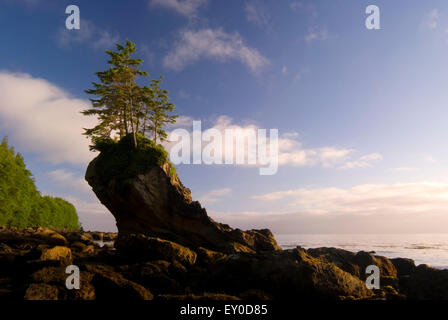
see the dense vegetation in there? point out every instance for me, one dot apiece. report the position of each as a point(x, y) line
point(21, 204)
point(121, 160)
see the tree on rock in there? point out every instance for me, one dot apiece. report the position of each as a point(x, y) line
point(158, 115)
point(123, 107)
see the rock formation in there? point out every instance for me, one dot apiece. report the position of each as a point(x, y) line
point(156, 204)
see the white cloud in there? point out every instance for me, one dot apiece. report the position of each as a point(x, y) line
point(87, 207)
point(65, 178)
point(42, 118)
point(214, 195)
point(284, 70)
point(362, 162)
point(432, 19)
point(290, 149)
point(319, 34)
point(369, 199)
point(257, 14)
point(188, 8)
point(88, 33)
point(181, 122)
point(212, 44)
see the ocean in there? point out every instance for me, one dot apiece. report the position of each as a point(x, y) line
point(431, 249)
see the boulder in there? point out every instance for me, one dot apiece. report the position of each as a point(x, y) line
point(82, 237)
point(404, 266)
point(209, 257)
point(154, 202)
point(32, 235)
point(289, 274)
point(356, 263)
point(342, 258)
point(426, 283)
point(58, 253)
point(148, 248)
point(364, 259)
point(55, 275)
point(110, 285)
point(41, 291)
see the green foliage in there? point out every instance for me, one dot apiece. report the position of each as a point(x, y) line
point(21, 205)
point(123, 107)
point(120, 160)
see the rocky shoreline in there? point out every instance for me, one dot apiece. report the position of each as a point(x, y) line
point(33, 263)
point(168, 248)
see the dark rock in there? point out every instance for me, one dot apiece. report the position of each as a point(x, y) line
point(41, 291)
point(342, 258)
point(286, 275)
point(54, 275)
point(38, 235)
point(364, 259)
point(80, 237)
point(404, 266)
point(143, 247)
point(110, 285)
point(426, 283)
point(203, 297)
point(156, 203)
point(209, 257)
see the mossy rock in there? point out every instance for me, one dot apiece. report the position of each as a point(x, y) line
point(122, 161)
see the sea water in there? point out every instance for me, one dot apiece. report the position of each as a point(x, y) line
point(431, 249)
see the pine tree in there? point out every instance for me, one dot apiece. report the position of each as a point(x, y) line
point(120, 101)
point(159, 107)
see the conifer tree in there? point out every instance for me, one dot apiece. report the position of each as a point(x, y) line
point(118, 107)
point(159, 108)
point(124, 107)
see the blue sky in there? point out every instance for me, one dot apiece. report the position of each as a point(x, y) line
point(361, 113)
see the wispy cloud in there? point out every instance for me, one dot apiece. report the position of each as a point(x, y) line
point(369, 199)
point(214, 195)
point(64, 178)
point(362, 162)
point(187, 8)
point(213, 44)
point(257, 14)
point(88, 34)
point(431, 20)
point(316, 34)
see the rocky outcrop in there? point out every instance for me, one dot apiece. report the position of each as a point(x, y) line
point(425, 283)
point(286, 275)
point(155, 203)
point(145, 268)
point(147, 248)
point(356, 263)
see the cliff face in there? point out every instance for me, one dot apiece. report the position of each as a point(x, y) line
point(155, 203)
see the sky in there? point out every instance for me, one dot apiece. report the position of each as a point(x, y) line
point(361, 113)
